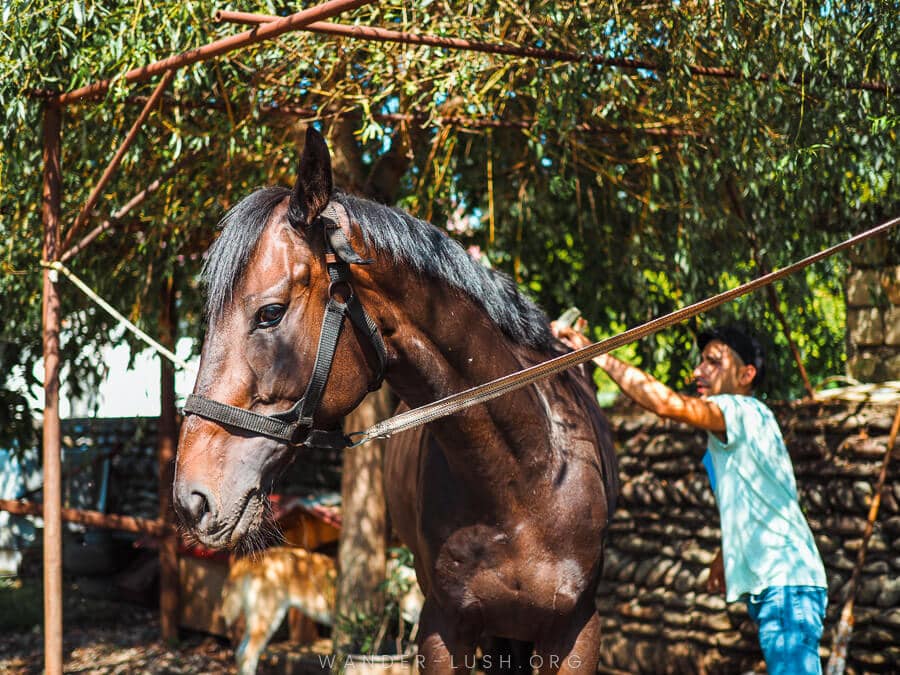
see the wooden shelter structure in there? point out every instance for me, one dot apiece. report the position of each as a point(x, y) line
point(58, 248)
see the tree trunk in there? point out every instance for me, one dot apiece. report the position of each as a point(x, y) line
point(363, 542)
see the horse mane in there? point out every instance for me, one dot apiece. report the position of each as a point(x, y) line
point(421, 245)
point(432, 253)
point(228, 257)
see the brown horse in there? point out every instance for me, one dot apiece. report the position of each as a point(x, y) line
point(505, 505)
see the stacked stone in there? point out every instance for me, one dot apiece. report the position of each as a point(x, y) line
point(656, 614)
point(873, 312)
point(316, 470)
point(129, 443)
point(133, 484)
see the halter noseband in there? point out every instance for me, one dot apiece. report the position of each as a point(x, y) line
point(294, 426)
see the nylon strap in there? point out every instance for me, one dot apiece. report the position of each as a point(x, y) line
point(513, 381)
point(340, 271)
point(294, 426)
point(337, 239)
point(280, 426)
point(508, 383)
point(367, 327)
point(328, 339)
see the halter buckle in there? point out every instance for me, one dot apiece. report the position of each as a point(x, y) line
point(340, 291)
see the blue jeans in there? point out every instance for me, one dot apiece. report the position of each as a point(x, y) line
point(789, 619)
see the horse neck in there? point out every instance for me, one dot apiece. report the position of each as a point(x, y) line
point(442, 342)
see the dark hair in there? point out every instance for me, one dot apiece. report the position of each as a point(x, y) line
point(744, 343)
point(425, 248)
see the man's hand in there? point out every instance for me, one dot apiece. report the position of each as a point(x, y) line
point(644, 389)
point(716, 581)
point(573, 336)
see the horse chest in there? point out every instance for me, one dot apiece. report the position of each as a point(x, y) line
point(492, 577)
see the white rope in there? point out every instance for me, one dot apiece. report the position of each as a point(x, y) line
point(153, 344)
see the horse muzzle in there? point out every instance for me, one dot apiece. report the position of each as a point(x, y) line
point(220, 492)
point(216, 527)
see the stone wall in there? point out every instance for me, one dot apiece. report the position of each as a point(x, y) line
point(657, 616)
point(873, 312)
point(130, 445)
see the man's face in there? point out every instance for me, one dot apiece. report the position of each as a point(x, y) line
point(721, 371)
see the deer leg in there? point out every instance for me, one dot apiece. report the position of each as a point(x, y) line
point(263, 619)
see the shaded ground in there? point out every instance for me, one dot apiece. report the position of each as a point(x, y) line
point(103, 636)
point(99, 635)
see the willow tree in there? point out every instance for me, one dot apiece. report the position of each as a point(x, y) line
point(627, 181)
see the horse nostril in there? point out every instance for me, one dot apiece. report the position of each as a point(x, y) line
point(194, 504)
point(197, 505)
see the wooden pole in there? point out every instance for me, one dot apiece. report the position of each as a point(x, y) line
point(837, 660)
point(167, 440)
point(50, 211)
point(119, 155)
point(107, 521)
point(131, 204)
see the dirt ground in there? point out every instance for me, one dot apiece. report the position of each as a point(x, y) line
point(130, 646)
point(103, 637)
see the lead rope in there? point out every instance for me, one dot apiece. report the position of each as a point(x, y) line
point(508, 383)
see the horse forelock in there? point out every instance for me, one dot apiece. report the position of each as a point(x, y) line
point(432, 253)
point(425, 248)
point(228, 257)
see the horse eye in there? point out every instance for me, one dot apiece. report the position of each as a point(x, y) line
point(269, 316)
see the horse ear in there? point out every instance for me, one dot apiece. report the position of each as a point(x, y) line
point(314, 185)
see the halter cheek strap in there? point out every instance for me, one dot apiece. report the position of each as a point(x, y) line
point(295, 425)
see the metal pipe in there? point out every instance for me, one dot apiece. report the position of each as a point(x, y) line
point(108, 521)
point(52, 555)
point(480, 123)
point(117, 158)
point(385, 35)
point(460, 120)
point(124, 211)
point(166, 443)
point(260, 34)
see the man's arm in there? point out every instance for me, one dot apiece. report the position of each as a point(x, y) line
point(650, 393)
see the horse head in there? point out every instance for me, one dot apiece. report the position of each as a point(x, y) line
point(278, 366)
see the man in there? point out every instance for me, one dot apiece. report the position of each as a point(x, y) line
point(769, 554)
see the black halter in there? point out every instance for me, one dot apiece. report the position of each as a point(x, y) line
point(295, 425)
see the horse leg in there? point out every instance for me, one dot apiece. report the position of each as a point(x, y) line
point(445, 646)
point(575, 650)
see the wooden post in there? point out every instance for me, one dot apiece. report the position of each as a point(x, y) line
point(50, 210)
point(167, 440)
